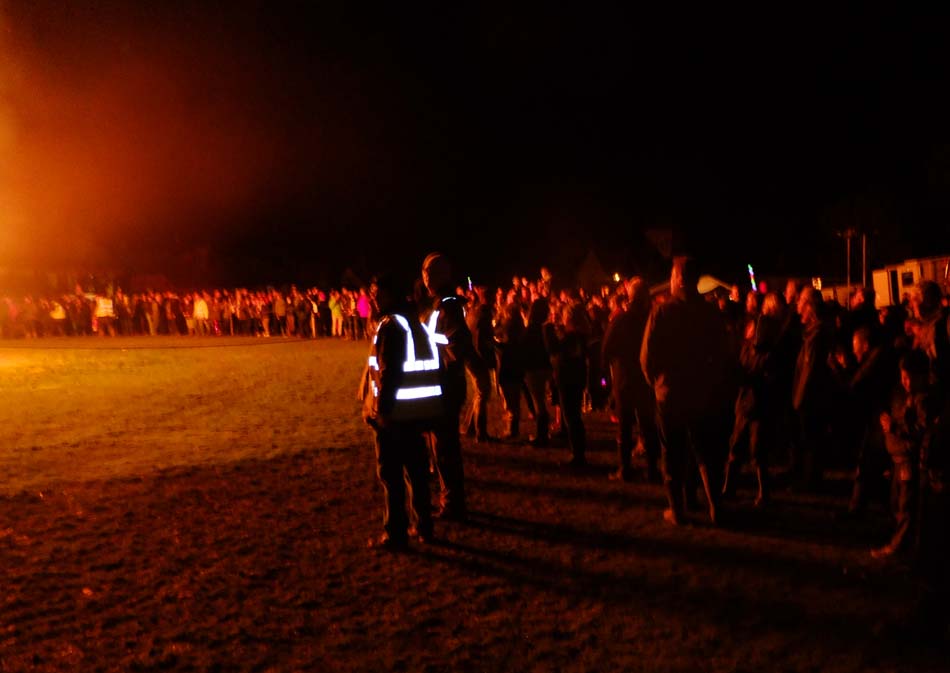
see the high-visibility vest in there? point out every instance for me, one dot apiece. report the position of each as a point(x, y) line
point(419, 397)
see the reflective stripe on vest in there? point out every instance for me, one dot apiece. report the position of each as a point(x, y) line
point(418, 393)
point(411, 364)
point(434, 336)
point(420, 398)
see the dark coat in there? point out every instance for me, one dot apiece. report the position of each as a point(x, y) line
point(685, 356)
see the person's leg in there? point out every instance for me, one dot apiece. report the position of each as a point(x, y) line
point(389, 470)
point(511, 394)
point(673, 439)
point(572, 400)
point(448, 453)
point(417, 471)
point(537, 382)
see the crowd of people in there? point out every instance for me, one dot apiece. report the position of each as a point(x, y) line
point(697, 385)
point(312, 313)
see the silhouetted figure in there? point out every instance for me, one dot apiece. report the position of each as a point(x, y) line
point(685, 357)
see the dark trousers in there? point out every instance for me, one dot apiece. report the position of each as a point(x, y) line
point(641, 412)
point(448, 457)
point(904, 492)
point(511, 393)
point(481, 385)
point(808, 461)
point(872, 459)
point(572, 400)
point(401, 460)
point(705, 441)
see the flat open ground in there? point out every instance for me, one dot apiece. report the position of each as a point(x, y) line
point(165, 507)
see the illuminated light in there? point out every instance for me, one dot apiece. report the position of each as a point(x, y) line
point(752, 278)
point(418, 393)
point(373, 362)
point(816, 283)
point(616, 277)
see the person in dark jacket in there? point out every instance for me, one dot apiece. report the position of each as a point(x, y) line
point(867, 389)
point(758, 409)
point(456, 348)
point(481, 365)
point(569, 357)
point(511, 366)
point(908, 428)
point(536, 360)
point(811, 389)
point(633, 396)
point(685, 357)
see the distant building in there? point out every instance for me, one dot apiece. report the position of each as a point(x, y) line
point(895, 280)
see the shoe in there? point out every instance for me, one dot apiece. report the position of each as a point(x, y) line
point(622, 474)
point(671, 517)
point(386, 543)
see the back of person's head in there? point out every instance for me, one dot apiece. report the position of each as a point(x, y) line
point(392, 291)
point(575, 319)
point(930, 297)
point(539, 312)
point(685, 275)
point(436, 271)
point(773, 305)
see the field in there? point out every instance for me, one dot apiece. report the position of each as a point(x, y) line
point(171, 507)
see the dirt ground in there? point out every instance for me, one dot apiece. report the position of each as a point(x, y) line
point(165, 507)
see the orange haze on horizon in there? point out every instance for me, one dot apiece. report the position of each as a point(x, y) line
point(115, 138)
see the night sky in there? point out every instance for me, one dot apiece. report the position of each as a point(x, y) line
point(254, 143)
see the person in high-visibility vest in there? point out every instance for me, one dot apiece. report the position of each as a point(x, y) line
point(446, 320)
point(402, 397)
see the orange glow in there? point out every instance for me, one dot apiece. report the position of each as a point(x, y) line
point(97, 140)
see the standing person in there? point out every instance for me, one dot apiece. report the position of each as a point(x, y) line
point(757, 412)
point(400, 402)
point(867, 391)
point(336, 311)
point(536, 359)
point(908, 429)
point(446, 319)
point(569, 357)
point(685, 357)
point(811, 387)
point(482, 365)
point(511, 366)
point(632, 394)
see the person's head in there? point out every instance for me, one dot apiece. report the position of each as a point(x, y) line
point(791, 293)
point(773, 305)
point(684, 277)
point(927, 299)
point(864, 297)
point(436, 272)
point(391, 291)
point(539, 312)
point(915, 368)
point(575, 319)
point(809, 302)
point(752, 303)
point(861, 342)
